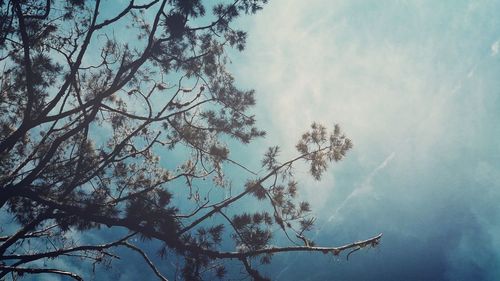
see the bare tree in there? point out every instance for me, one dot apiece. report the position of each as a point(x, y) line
point(93, 95)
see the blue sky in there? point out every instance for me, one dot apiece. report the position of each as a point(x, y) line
point(416, 85)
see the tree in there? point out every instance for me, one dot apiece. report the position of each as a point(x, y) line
point(91, 99)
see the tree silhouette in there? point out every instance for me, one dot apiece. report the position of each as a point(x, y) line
point(90, 100)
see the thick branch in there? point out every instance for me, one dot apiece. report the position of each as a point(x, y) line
point(23, 231)
point(196, 249)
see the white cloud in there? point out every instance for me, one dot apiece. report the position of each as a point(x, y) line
point(495, 47)
point(313, 66)
point(365, 188)
point(396, 79)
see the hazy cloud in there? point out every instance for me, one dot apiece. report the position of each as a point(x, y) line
point(495, 47)
point(419, 99)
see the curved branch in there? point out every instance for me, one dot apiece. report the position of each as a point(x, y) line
point(146, 258)
point(40, 270)
point(52, 254)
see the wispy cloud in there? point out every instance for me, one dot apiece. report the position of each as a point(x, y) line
point(495, 47)
point(365, 188)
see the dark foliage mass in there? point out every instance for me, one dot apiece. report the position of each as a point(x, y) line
point(90, 100)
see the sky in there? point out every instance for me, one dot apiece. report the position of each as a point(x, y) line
point(416, 86)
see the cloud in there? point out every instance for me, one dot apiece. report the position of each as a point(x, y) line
point(337, 66)
point(495, 47)
point(408, 86)
point(365, 188)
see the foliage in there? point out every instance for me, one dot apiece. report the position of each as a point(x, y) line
point(87, 110)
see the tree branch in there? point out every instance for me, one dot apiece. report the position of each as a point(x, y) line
point(252, 272)
point(145, 257)
point(40, 270)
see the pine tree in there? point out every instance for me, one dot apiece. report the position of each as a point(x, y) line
point(95, 105)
